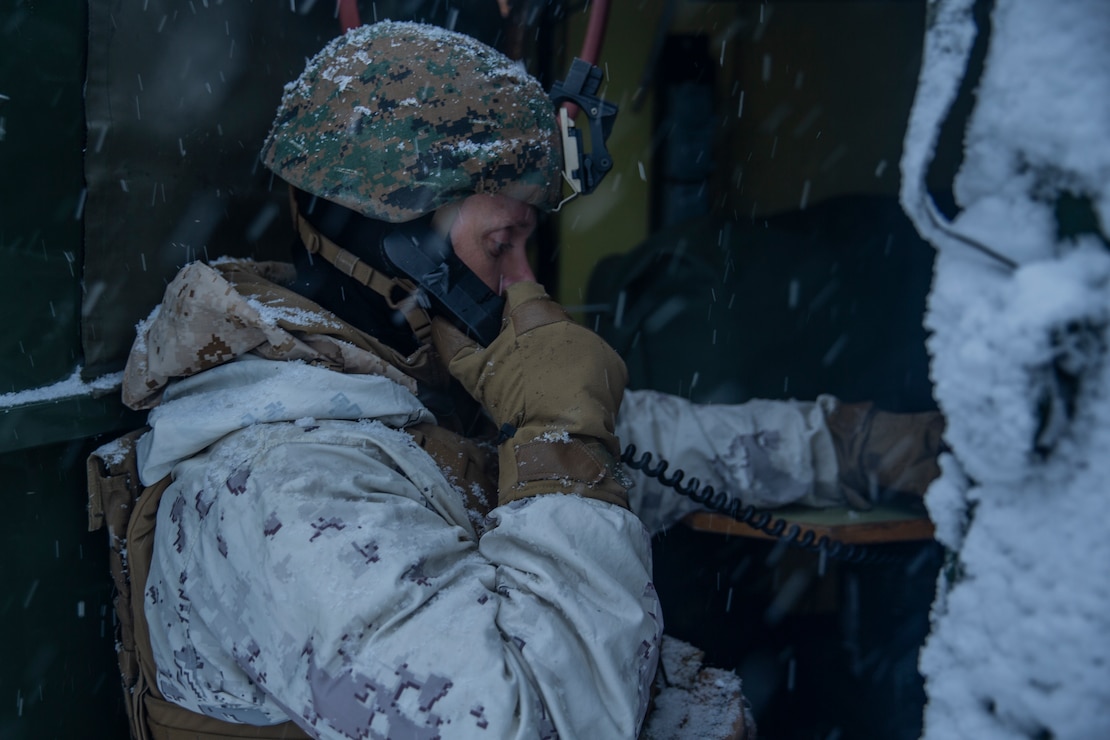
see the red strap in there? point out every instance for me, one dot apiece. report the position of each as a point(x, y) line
point(591, 45)
point(348, 15)
point(595, 31)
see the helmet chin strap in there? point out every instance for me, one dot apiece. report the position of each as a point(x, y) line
point(400, 294)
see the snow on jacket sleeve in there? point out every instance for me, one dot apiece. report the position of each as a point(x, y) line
point(767, 453)
point(327, 572)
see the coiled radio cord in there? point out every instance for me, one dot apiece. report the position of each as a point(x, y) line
point(720, 502)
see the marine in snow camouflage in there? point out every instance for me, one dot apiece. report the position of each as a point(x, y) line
point(394, 120)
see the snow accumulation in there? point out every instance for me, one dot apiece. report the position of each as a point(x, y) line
point(1020, 644)
point(68, 388)
point(346, 52)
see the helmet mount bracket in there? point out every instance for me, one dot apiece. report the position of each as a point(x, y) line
point(584, 170)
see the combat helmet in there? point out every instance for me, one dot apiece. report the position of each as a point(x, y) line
point(395, 119)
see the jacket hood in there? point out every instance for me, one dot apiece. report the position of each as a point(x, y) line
point(211, 315)
point(201, 409)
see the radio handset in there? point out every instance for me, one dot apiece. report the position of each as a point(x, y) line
point(418, 252)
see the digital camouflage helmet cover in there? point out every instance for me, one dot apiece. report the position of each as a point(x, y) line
point(394, 120)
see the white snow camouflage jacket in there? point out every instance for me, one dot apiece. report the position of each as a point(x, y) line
point(312, 563)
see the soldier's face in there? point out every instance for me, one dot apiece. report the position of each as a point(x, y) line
point(489, 234)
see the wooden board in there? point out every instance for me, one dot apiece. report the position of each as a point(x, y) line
point(878, 525)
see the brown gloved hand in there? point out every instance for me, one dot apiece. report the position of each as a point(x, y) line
point(553, 387)
point(879, 452)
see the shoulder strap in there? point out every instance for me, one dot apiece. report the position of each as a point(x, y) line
point(113, 487)
point(346, 262)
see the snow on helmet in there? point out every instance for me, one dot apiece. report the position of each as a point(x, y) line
point(394, 120)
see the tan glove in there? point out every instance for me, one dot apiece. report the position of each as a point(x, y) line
point(553, 387)
point(879, 452)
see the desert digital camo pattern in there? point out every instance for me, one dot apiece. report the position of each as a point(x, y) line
point(394, 120)
point(213, 314)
